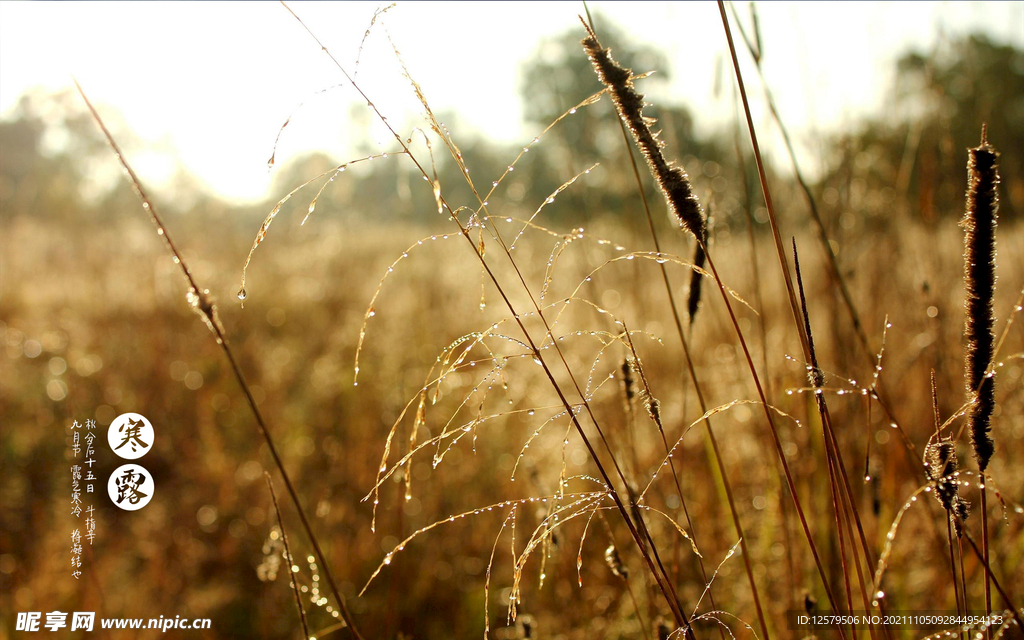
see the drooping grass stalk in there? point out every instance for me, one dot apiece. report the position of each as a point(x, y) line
point(289, 559)
point(637, 530)
point(979, 225)
point(200, 301)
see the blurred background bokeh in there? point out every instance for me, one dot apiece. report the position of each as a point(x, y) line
point(94, 320)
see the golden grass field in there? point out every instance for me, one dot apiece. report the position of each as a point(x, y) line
point(95, 323)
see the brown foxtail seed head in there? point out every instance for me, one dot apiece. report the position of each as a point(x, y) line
point(979, 225)
point(653, 409)
point(672, 180)
point(942, 464)
point(628, 384)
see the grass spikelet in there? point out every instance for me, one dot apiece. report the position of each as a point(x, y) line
point(273, 154)
point(693, 297)
point(943, 468)
point(377, 13)
point(979, 225)
point(265, 227)
point(614, 562)
point(628, 384)
point(672, 180)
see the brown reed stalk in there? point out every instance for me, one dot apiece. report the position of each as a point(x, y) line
point(289, 558)
point(979, 225)
point(801, 330)
point(1015, 611)
point(675, 186)
point(762, 324)
point(878, 393)
point(945, 494)
point(627, 374)
point(817, 379)
point(200, 301)
point(756, 52)
point(640, 536)
point(629, 106)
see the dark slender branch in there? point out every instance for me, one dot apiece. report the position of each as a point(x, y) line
point(201, 302)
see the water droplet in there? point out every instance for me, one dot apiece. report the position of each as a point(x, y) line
point(242, 294)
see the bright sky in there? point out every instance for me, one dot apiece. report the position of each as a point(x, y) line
point(209, 84)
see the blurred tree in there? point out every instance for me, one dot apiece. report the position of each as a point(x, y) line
point(943, 99)
point(975, 81)
point(39, 174)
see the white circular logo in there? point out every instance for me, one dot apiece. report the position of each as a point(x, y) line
point(130, 435)
point(131, 487)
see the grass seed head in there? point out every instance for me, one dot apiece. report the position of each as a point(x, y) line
point(979, 225)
